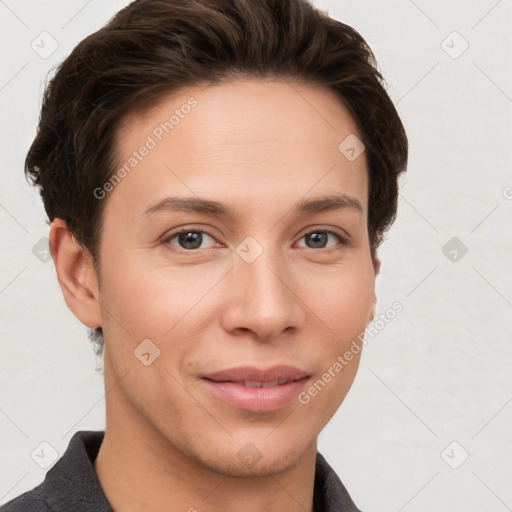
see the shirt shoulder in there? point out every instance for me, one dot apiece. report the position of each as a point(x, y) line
point(70, 484)
point(330, 495)
point(30, 501)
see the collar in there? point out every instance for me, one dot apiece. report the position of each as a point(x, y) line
point(72, 483)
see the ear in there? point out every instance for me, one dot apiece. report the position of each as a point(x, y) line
point(376, 264)
point(76, 275)
point(376, 268)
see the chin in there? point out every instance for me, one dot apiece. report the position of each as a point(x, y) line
point(234, 466)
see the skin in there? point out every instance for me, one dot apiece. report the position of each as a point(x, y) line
point(259, 147)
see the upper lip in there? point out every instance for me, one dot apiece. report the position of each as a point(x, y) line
point(251, 373)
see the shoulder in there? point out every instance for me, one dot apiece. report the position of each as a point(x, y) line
point(330, 495)
point(30, 501)
point(70, 484)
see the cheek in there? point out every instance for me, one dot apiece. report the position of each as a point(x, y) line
point(155, 301)
point(343, 300)
point(343, 305)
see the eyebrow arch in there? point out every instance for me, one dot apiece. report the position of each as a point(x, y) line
point(190, 204)
point(328, 203)
point(199, 205)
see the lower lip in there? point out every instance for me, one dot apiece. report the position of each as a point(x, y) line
point(256, 399)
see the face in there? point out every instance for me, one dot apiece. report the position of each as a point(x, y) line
point(264, 274)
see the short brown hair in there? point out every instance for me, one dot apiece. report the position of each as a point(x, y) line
point(152, 47)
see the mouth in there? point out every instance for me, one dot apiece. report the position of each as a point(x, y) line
point(260, 384)
point(257, 390)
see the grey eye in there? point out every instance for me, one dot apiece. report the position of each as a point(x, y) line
point(319, 239)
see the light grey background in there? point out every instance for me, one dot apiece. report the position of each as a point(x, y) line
point(438, 373)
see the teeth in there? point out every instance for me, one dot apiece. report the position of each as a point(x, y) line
point(251, 384)
point(259, 384)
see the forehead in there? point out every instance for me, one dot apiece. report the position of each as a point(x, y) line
point(244, 139)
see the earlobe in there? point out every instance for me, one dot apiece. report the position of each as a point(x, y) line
point(76, 275)
point(376, 268)
point(376, 264)
point(371, 316)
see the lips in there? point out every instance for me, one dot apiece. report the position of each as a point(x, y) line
point(256, 377)
point(257, 390)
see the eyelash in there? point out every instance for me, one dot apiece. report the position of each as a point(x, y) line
point(343, 240)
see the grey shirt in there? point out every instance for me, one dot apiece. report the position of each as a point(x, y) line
point(72, 485)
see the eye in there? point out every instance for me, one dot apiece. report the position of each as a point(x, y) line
point(189, 240)
point(318, 239)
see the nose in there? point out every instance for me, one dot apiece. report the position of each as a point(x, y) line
point(263, 298)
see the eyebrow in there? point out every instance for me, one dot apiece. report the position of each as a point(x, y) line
point(214, 208)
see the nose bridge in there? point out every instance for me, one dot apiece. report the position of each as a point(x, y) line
point(262, 298)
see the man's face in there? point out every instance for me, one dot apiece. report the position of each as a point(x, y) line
point(266, 286)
